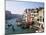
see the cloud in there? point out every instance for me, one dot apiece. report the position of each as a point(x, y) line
point(18, 11)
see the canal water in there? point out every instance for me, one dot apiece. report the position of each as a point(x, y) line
point(12, 28)
point(12, 22)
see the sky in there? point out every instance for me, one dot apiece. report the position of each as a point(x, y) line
point(19, 7)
